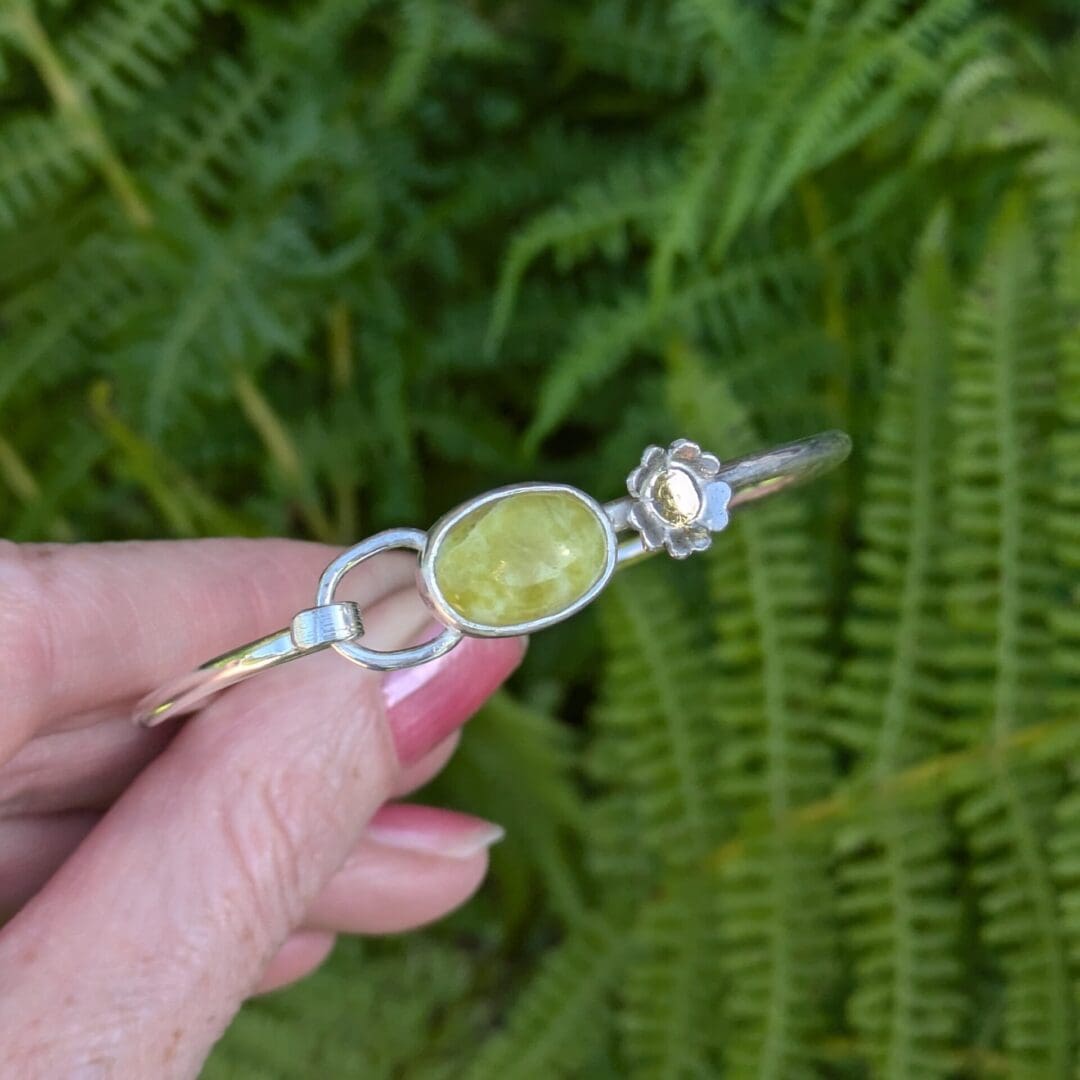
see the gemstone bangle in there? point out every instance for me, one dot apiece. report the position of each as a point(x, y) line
point(520, 558)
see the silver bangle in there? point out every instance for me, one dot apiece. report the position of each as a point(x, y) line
point(678, 498)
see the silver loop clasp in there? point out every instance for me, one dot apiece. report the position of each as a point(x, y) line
point(379, 659)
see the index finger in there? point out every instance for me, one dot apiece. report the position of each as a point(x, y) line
point(83, 626)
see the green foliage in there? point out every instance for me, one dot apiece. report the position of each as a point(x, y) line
point(804, 806)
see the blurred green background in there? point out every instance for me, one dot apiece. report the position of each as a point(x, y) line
point(804, 806)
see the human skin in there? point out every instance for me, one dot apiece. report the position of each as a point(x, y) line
point(156, 879)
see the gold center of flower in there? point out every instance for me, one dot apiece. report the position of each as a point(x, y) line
point(676, 497)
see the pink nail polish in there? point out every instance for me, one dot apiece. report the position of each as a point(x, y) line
point(426, 703)
point(432, 831)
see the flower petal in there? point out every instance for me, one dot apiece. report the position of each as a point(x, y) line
point(708, 465)
point(700, 537)
point(652, 457)
point(678, 543)
point(717, 497)
point(643, 518)
point(684, 450)
point(634, 481)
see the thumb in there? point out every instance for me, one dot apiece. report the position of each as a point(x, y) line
point(136, 955)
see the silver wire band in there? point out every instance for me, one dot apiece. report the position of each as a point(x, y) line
point(752, 477)
point(332, 624)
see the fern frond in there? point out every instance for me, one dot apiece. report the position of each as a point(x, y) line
point(636, 40)
point(55, 324)
point(561, 1015)
point(778, 943)
point(599, 216)
point(775, 906)
point(371, 1011)
point(903, 916)
point(126, 46)
point(842, 86)
point(654, 710)
point(230, 119)
point(39, 160)
point(204, 148)
point(669, 991)
point(1065, 616)
point(655, 753)
point(432, 30)
point(604, 336)
point(1066, 452)
point(516, 767)
point(210, 304)
point(999, 595)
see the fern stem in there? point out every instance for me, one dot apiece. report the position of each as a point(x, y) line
point(339, 347)
point(936, 778)
point(283, 452)
point(22, 482)
point(77, 110)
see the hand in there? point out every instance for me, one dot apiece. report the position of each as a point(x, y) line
point(158, 878)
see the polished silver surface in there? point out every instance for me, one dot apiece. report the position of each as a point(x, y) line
point(432, 594)
point(744, 480)
point(679, 498)
point(326, 625)
point(377, 659)
point(677, 501)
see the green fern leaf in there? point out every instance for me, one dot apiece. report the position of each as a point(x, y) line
point(600, 215)
point(903, 916)
point(560, 1016)
point(669, 991)
point(432, 30)
point(775, 902)
point(127, 45)
point(640, 42)
point(515, 766)
point(1065, 616)
point(604, 336)
point(371, 1011)
point(654, 709)
point(58, 322)
point(39, 160)
point(999, 594)
point(656, 748)
point(204, 148)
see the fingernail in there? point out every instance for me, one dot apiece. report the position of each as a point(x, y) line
point(432, 831)
point(426, 703)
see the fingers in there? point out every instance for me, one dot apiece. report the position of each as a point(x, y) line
point(89, 624)
point(83, 769)
point(414, 864)
point(33, 845)
point(87, 769)
point(428, 767)
point(49, 790)
point(199, 873)
point(31, 848)
point(302, 953)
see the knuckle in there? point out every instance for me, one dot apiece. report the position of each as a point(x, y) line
point(266, 857)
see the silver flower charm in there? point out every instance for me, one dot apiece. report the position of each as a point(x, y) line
point(679, 503)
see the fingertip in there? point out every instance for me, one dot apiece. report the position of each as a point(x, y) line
point(303, 952)
point(426, 703)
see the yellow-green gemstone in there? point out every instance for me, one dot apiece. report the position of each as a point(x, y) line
point(527, 556)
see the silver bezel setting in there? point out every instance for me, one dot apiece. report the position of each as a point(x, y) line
point(380, 659)
point(432, 594)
